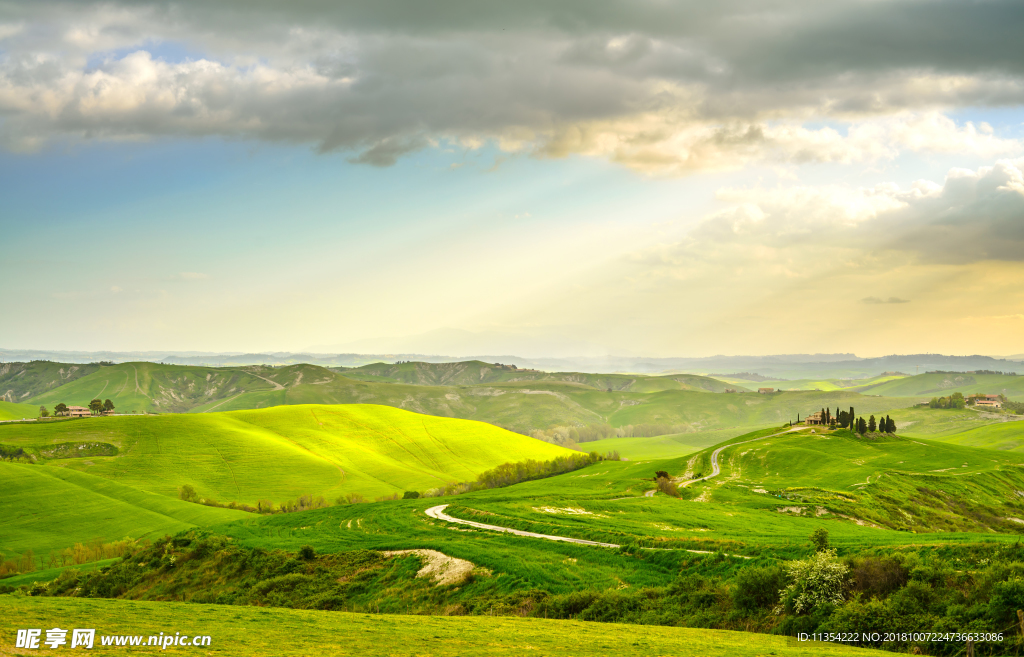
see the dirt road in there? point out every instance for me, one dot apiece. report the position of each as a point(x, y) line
point(438, 513)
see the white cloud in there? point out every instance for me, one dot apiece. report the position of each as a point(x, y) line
point(974, 215)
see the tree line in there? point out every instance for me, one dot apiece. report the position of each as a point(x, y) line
point(850, 420)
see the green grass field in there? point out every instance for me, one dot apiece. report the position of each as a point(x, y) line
point(1001, 436)
point(9, 411)
point(259, 631)
point(823, 384)
point(47, 508)
point(668, 446)
point(931, 385)
point(286, 451)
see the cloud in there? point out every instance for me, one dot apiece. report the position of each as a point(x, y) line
point(876, 300)
point(664, 88)
point(974, 215)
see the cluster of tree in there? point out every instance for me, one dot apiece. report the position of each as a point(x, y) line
point(508, 474)
point(85, 553)
point(849, 420)
point(1016, 407)
point(26, 563)
point(746, 376)
point(97, 406)
point(303, 503)
point(79, 554)
point(12, 453)
point(956, 400)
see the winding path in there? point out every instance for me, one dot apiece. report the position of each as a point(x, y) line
point(715, 470)
point(438, 513)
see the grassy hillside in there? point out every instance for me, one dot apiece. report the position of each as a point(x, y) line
point(1001, 436)
point(938, 423)
point(20, 381)
point(286, 451)
point(154, 387)
point(469, 373)
point(824, 384)
point(668, 446)
point(674, 404)
point(943, 384)
point(293, 632)
point(9, 411)
point(47, 508)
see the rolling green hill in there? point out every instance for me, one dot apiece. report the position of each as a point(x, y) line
point(45, 508)
point(286, 451)
point(1001, 436)
point(20, 381)
point(9, 411)
point(942, 384)
point(469, 373)
point(153, 387)
point(676, 404)
point(813, 384)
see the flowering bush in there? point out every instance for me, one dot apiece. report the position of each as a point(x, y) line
point(817, 580)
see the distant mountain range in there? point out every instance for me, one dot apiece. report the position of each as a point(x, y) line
point(782, 366)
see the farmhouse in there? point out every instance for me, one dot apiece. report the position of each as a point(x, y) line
point(814, 418)
point(765, 391)
point(989, 403)
point(78, 411)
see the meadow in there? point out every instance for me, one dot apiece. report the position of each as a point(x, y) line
point(9, 411)
point(51, 508)
point(253, 630)
point(681, 561)
point(285, 451)
point(942, 384)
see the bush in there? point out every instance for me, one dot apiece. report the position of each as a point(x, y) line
point(666, 486)
point(876, 577)
point(410, 495)
point(307, 553)
point(819, 539)
point(817, 581)
point(758, 587)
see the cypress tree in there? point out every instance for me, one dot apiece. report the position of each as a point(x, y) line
point(872, 426)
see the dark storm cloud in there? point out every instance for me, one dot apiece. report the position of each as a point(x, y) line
point(660, 86)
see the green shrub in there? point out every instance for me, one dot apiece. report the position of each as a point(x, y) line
point(757, 587)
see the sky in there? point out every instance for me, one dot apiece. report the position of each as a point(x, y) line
point(642, 178)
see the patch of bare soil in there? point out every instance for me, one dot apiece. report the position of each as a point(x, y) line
point(440, 567)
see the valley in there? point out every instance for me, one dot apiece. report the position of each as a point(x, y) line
point(263, 465)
